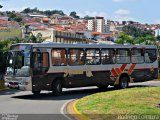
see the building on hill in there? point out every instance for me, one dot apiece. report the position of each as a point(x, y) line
point(60, 36)
point(97, 24)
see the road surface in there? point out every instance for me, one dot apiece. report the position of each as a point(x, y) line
point(46, 106)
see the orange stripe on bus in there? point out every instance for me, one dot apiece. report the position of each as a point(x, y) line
point(118, 71)
point(123, 67)
point(131, 68)
point(113, 72)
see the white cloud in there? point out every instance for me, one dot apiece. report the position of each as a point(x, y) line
point(157, 21)
point(123, 0)
point(122, 12)
point(124, 18)
point(123, 15)
point(92, 14)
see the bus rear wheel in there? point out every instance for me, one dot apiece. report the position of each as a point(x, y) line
point(123, 83)
point(57, 88)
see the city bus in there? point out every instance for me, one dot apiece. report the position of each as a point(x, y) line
point(53, 66)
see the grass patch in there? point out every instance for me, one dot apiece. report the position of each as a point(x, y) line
point(2, 84)
point(127, 101)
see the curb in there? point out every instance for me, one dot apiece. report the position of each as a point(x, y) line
point(75, 113)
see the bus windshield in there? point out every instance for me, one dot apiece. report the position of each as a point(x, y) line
point(18, 63)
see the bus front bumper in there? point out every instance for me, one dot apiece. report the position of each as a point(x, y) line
point(16, 86)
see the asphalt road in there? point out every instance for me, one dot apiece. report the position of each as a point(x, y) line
point(46, 106)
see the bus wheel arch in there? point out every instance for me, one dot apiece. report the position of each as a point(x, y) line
point(123, 81)
point(57, 86)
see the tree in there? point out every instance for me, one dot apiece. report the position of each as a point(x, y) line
point(124, 22)
point(39, 38)
point(17, 19)
point(5, 45)
point(33, 38)
point(135, 31)
point(150, 40)
point(87, 17)
point(123, 38)
point(158, 38)
point(74, 15)
point(26, 10)
point(1, 6)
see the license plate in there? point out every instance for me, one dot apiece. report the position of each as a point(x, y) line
point(13, 86)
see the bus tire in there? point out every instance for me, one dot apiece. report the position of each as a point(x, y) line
point(102, 87)
point(123, 83)
point(36, 92)
point(57, 88)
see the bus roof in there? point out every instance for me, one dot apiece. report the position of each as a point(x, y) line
point(60, 45)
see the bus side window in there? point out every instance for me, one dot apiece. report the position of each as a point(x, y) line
point(76, 56)
point(92, 56)
point(108, 56)
point(137, 56)
point(59, 57)
point(123, 56)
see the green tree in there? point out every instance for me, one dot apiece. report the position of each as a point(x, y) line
point(26, 10)
point(39, 38)
point(135, 31)
point(17, 19)
point(123, 38)
point(150, 40)
point(5, 45)
point(33, 38)
point(88, 17)
point(74, 15)
point(158, 37)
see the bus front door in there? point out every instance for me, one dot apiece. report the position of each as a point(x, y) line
point(40, 67)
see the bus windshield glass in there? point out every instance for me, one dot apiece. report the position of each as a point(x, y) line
point(18, 63)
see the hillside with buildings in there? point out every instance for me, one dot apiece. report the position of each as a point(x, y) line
point(55, 26)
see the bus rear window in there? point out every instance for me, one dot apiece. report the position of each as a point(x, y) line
point(59, 57)
point(150, 55)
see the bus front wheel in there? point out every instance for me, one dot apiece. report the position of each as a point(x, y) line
point(57, 88)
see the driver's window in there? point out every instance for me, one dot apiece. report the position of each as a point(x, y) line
point(37, 60)
point(19, 60)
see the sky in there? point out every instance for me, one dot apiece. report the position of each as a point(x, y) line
point(144, 11)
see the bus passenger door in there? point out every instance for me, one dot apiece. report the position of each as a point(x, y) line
point(40, 66)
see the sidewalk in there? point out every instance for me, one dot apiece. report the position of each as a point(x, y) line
point(73, 112)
